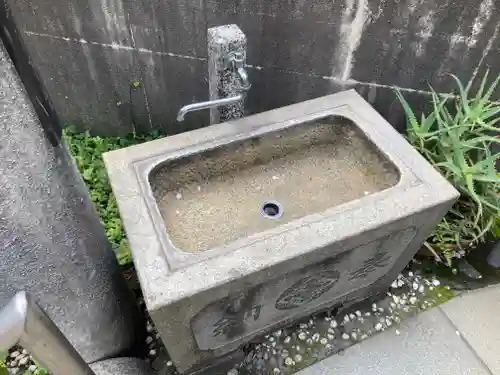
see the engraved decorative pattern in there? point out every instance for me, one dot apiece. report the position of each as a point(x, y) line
point(291, 295)
point(307, 289)
point(379, 260)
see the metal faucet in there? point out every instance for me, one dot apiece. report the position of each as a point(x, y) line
point(236, 63)
point(210, 104)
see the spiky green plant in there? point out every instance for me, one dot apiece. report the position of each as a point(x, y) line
point(457, 137)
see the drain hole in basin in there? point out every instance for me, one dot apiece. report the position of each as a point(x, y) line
point(271, 209)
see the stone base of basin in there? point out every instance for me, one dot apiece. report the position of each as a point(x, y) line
point(257, 278)
point(121, 366)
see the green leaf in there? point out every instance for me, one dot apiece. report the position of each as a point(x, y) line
point(489, 161)
point(413, 124)
point(495, 179)
point(87, 151)
point(87, 174)
point(489, 113)
point(497, 228)
point(464, 101)
point(486, 97)
point(483, 139)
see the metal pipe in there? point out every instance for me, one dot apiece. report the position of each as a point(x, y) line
point(23, 322)
point(210, 104)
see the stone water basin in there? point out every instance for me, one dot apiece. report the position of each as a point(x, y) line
point(239, 228)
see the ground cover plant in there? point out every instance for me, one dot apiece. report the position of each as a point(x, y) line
point(459, 136)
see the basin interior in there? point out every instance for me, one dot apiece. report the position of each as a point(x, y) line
point(217, 196)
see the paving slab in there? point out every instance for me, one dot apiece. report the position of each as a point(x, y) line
point(477, 316)
point(427, 344)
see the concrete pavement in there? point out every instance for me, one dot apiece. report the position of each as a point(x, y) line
point(460, 337)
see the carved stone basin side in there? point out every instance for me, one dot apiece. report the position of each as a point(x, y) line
point(241, 227)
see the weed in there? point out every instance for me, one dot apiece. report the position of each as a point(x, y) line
point(459, 143)
point(87, 151)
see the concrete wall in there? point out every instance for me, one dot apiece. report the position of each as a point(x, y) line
point(52, 243)
point(90, 52)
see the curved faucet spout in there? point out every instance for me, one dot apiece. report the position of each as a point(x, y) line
point(234, 62)
point(205, 105)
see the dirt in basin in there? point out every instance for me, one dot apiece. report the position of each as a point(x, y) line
point(211, 199)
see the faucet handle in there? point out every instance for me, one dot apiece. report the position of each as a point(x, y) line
point(236, 62)
point(237, 59)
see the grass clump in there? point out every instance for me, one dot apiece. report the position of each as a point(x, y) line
point(87, 151)
point(5, 371)
point(458, 137)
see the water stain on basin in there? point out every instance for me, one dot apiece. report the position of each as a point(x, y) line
point(213, 198)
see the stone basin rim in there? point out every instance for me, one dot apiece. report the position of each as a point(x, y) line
point(146, 167)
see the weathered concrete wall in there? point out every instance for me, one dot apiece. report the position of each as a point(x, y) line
point(89, 53)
